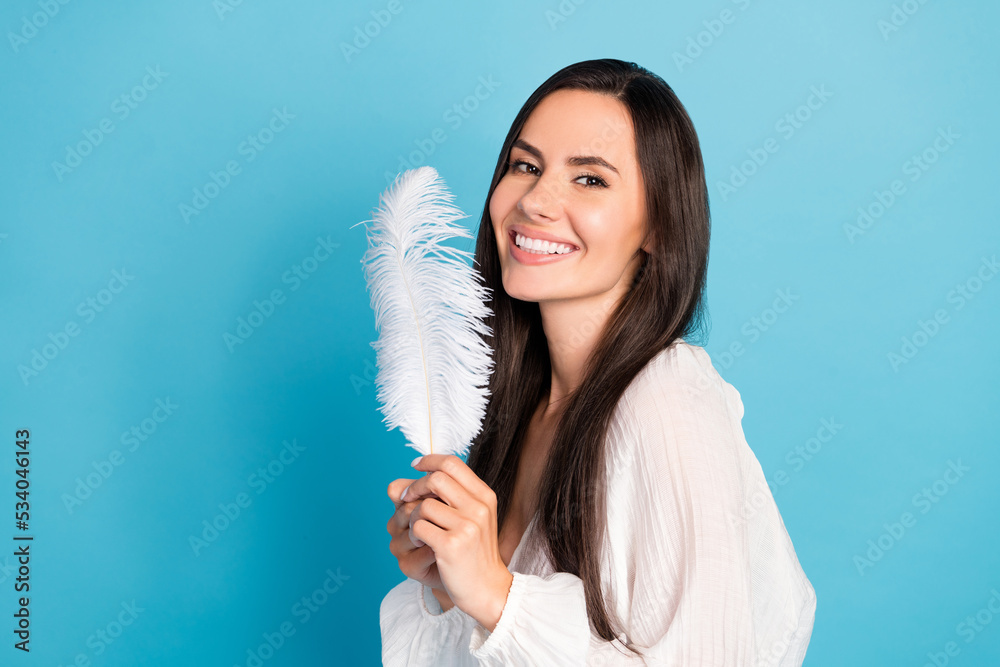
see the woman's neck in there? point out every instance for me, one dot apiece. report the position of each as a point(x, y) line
point(572, 329)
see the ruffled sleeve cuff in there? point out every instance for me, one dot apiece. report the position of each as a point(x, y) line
point(543, 622)
point(414, 632)
point(431, 604)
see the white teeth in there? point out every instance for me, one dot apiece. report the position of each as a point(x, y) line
point(540, 247)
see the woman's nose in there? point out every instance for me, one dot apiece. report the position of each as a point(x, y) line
point(541, 201)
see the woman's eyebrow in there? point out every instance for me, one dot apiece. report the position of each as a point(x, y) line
point(576, 160)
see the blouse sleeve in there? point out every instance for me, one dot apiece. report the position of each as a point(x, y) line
point(543, 622)
point(702, 567)
point(699, 568)
point(415, 632)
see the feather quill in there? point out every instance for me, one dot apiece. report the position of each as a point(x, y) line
point(432, 365)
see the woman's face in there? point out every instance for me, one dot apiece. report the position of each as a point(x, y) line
point(573, 179)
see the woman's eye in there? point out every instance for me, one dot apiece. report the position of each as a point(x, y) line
point(593, 181)
point(516, 165)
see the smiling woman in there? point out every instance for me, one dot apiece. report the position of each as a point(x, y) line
point(602, 515)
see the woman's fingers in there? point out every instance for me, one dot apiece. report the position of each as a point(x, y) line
point(399, 527)
point(395, 489)
point(439, 484)
point(400, 523)
point(457, 469)
point(420, 558)
point(438, 489)
point(401, 544)
point(398, 486)
point(435, 512)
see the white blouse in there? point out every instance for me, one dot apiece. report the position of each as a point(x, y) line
point(696, 561)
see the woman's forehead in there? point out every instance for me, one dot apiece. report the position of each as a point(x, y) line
point(574, 122)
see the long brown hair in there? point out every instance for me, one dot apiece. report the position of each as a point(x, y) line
point(665, 302)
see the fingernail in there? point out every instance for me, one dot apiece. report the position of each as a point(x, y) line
point(414, 462)
point(402, 496)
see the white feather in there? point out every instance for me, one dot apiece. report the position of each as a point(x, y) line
point(432, 364)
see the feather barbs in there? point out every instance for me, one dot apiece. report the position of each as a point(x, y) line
point(433, 366)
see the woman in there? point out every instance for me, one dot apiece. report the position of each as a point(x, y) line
point(611, 511)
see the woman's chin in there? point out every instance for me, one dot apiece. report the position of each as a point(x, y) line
point(525, 293)
point(533, 295)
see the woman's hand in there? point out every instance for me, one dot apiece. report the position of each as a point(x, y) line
point(416, 561)
point(456, 517)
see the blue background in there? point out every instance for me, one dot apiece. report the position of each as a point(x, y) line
point(304, 376)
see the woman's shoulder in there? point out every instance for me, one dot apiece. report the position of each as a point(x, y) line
point(683, 374)
point(679, 408)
